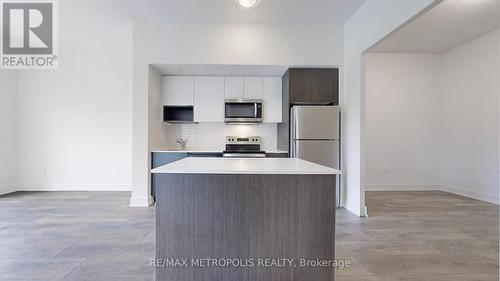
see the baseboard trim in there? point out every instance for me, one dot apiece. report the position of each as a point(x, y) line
point(76, 188)
point(429, 187)
point(141, 201)
point(7, 191)
point(470, 194)
point(400, 187)
point(355, 209)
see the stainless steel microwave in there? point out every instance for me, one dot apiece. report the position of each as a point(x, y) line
point(243, 111)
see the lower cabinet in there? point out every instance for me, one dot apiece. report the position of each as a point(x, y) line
point(163, 158)
point(277, 155)
point(204, 154)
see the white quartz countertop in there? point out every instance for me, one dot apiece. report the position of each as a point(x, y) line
point(292, 166)
point(187, 151)
point(207, 151)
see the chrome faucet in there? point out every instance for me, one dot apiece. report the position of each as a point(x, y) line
point(182, 143)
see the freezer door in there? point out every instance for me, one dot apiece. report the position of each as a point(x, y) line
point(317, 151)
point(315, 122)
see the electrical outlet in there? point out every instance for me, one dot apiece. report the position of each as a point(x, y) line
point(386, 171)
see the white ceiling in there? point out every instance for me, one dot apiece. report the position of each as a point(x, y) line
point(228, 69)
point(221, 70)
point(228, 11)
point(447, 25)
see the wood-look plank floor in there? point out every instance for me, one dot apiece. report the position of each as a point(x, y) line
point(417, 236)
point(85, 236)
point(408, 236)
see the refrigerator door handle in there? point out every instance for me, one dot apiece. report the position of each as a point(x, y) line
point(296, 149)
point(292, 134)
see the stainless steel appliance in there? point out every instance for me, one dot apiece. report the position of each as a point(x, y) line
point(315, 136)
point(243, 147)
point(243, 111)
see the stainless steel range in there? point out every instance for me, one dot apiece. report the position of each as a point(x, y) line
point(243, 147)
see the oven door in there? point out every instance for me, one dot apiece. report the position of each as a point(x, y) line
point(245, 111)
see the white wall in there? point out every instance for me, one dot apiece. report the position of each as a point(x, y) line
point(159, 135)
point(469, 148)
point(433, 120)
point(8, 131)
point(245, 44)
point(75, 122)
point(402, 106)
point(374, 20)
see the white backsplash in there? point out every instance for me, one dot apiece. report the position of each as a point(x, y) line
point(211, 136)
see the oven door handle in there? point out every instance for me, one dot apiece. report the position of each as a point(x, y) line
point(244, 155)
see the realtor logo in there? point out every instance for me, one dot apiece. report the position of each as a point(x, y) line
point(29, 38)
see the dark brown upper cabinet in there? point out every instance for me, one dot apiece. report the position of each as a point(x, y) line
point(312, 85)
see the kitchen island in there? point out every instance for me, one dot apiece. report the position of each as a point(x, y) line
point(245, 219)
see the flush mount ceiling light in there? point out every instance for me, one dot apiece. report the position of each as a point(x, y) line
point(248, 3)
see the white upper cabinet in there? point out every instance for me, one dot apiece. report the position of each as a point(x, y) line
point(207, 94)
point(248, 88)
point(272, 107)
point(208, 99)
point(233, 88)
point(252, 88)
point(177, 90)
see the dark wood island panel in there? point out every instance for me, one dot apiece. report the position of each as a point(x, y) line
point(244, 216)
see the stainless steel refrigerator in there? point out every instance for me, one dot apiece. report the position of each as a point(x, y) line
point(315, 136)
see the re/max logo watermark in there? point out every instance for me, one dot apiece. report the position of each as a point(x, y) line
point(29, 34)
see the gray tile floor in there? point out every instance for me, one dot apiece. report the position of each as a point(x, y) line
point(89, 236)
